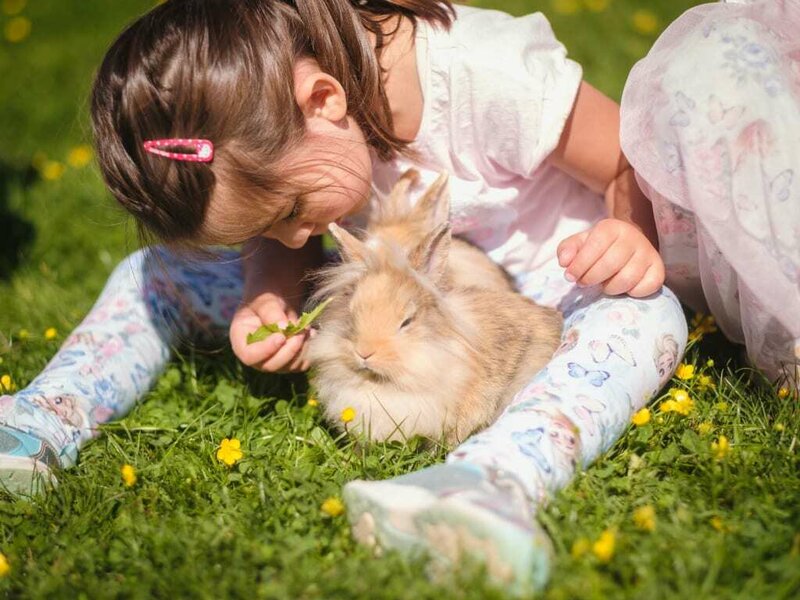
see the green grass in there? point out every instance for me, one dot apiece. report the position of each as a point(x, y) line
point(191, 527)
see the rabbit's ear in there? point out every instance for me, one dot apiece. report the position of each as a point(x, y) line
point(351, 247)
point(396, 206)
point(430, 257)
point(433, 206)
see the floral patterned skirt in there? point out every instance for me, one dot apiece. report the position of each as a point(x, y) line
point(711, 124)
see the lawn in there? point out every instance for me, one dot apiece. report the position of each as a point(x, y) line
point(723, 520)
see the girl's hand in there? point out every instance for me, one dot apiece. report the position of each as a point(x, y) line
point(616, 254)
point(275, 354)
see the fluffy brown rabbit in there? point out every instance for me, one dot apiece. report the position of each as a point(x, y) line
point(398, 220)
point(412, 352)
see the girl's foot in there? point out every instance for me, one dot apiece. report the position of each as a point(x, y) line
point(27, 463)
point(454, 510)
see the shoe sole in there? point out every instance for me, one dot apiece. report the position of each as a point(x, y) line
point(414, 522)
point(25, 476)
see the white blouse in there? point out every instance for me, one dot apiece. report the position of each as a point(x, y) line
point(497, 92)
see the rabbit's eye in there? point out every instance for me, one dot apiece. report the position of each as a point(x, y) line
point(406, 322)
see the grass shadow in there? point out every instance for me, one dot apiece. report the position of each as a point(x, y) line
point(17, 233)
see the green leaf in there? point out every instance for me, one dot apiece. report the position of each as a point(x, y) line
point(262, 333)
point(668, 455)
point(691, 441)
point(226, 394)
point(291, 329)
point(306, 318)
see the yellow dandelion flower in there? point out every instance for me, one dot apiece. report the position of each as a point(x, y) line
point(779, 427)
point(230, 451)
point(684, 371)
point(641, 418)
point(678, 394)
point(721, 406)
point(716, 523)
point(680, 402)
point(17, 29)
point(668, 406)
point(704, 382)
point(50, 333)
point(565, 7)
point(644, 22)
point(80, 156)
point(704, 323)
point(704, 428)
point(7, 383)
point(52, 170)
point(721, 447)
point(23, 334)
point(596, 5)
point(783, 393)
point(348, 414)
point(5, 568)
point(13, 7)
point(128, 475)
point(312, 401)
point(580, 547)
point(644, 517)
point(332, 506)
point(685, 407)
point(603, 548)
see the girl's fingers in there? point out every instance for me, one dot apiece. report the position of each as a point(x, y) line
point(283, 358)
point(651, 282)
point(628, 276)
point(254, 355)
point(273, 313)
point(299, 363)
point(598, 241)
point(245, 322)
point(609, 264)
point(569, 247)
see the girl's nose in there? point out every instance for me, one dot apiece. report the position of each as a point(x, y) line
point(296, 237)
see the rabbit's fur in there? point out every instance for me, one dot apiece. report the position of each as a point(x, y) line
point(416, 346)
point(396, 219)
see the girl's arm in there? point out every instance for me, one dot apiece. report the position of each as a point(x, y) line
point(620, 251)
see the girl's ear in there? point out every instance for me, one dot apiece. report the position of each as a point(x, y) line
point(319, 94)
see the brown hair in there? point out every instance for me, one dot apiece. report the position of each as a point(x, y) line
point(223, 70)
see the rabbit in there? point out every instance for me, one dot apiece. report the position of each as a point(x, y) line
point(411, 350)
point(396, 219)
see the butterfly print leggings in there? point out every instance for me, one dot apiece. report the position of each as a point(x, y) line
point(616, 353)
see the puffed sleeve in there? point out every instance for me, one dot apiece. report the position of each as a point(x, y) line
point(513, 88)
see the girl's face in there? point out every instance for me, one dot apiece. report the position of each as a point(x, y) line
point(334, 162)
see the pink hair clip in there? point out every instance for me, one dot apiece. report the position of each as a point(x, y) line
point(202, 150)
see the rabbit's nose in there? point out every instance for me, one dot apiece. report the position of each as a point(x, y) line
point(364, 353)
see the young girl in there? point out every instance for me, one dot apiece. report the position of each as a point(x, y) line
point(262, 121)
